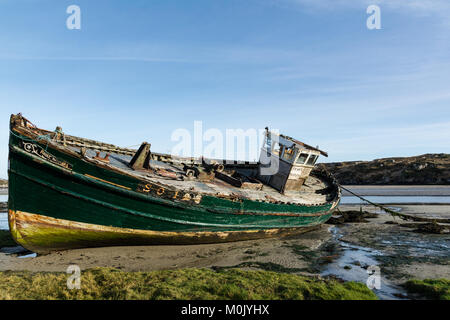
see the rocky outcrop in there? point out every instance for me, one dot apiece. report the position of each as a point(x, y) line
point(427, 169)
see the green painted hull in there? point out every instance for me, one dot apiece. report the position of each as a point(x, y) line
point(68, 188)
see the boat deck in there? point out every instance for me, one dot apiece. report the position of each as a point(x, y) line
point(217, 187)
point(119, 159)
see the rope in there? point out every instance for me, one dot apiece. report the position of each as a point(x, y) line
point(46, 137)
point(398, 214)
point(392, 212)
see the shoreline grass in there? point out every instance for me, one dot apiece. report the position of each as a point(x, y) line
point(437, 289)
point(190, 284)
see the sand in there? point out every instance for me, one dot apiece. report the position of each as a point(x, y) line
point(145, 258)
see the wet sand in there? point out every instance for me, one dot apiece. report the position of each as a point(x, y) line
point(145, 258)
point(403, 253)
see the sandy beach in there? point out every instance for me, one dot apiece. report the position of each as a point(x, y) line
point(145, 258)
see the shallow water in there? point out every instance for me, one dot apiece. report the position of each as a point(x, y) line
point(3, 221)
point(359, 259)
point(371, 190)
point(4, 215)
point(397, 199)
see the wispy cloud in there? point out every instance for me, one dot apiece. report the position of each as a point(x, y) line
point(418, 6)
point(200, 54)
point(81, 58)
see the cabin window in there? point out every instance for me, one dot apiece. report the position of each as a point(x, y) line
point(302, 158)
point(312, 160)
point(277, 149)
point(288, 154)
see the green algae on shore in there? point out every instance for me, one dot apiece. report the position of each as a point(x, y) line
point(107, 283)
point(437, 289)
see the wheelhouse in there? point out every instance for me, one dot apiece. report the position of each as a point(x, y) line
point(286, 163)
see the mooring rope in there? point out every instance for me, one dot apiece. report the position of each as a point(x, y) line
point(397, 214)
point(392, 212)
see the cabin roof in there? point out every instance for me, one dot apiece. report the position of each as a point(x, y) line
point(301, 144)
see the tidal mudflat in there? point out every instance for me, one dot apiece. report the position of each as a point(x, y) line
point(399, 248)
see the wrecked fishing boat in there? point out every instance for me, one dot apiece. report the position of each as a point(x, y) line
point(69, 192)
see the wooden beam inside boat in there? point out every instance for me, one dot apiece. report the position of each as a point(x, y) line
point(141, 160)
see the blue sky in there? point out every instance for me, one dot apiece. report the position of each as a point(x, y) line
point(138, 70)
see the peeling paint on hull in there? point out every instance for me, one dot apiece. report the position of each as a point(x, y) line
point(43, 234)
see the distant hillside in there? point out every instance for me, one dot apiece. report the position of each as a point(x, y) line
point(3, 183)
point(424, 169)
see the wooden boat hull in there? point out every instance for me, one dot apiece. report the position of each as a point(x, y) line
point(44, 234)
point(57, 200)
